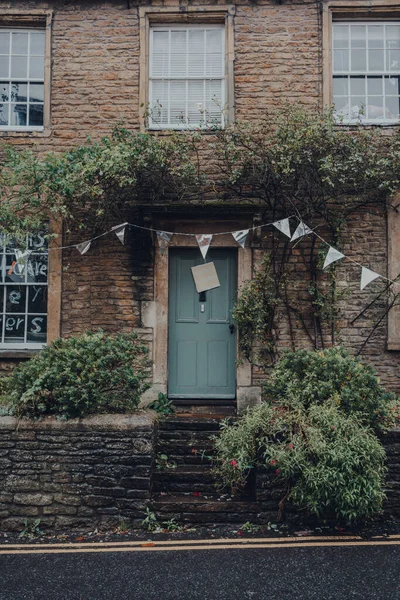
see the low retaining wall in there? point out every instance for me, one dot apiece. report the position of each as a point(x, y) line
point(75, 474)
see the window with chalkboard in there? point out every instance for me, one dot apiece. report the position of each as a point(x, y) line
point(23, 292)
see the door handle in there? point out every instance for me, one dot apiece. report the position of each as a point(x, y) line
point(231, 328)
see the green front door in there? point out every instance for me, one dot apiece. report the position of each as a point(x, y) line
point(202, 340)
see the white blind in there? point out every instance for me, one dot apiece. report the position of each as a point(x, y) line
point(187, 76)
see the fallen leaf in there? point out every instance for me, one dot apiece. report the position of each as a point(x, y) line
point(147, 544)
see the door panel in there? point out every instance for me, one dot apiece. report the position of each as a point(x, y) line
point(201, 346)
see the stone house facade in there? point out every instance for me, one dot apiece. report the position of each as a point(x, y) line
point(81, 67)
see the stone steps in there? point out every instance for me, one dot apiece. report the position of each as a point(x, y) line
point(187, 492)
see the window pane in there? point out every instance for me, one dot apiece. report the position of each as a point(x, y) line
point(357, 86)
point(374, 86)
point(196, 106)
point(18, 114)
point(37, 299)
point(15, 298)
point(19, 43)
point(178, 54)
point(37, 43)
point(19, 67)
point(19, 92)
point(358, 60)
point(214, 65)
point(357, 108)
point(340, 86)
point(376, 60)
point(4, 42)
point(38, 241)
point(341, 60)
point(196, 64)
point(375, 36)
point(37, 268)
point(159, 108)
point(36, 67)
point(393, 36)
point(214, 41)
point(14, 273)
point(36, 92)
point(341, 107)
point(160, 65)
point(4, 91)
point(177, 102)
point(160, 42)
point(37, 328)
point(375, 107)
point(340, 36)
point(214, 102)
point(392, 107)
point(196, 41)
point(358, 33)
point(4, 66)
point(392, 85)
point(393, 60)
point(35, 115)
point(14, 328)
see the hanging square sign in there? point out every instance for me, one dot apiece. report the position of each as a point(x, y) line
point(205, 277)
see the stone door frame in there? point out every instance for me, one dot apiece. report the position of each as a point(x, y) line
point(155, 314)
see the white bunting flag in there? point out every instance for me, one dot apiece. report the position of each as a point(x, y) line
point(83, 247)
point(302, 229)
point(332, 256)
point(240, 237)
point(163, 238)
point(204, 241)
point(283, 226)
point(120, 231)
point(367, 276)
point(21, 255)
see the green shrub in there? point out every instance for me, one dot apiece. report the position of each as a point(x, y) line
point(332, 465)
point(312, 377)
point(75, 377)
point(316, 432)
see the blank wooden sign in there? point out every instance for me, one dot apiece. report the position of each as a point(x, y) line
point(205, 277)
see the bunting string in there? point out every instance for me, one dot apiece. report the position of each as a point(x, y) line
point(240, 236)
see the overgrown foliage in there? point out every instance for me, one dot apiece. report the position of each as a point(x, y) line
point(92, 183)
point(321, 448)
point(79, 376)
point(304, 378)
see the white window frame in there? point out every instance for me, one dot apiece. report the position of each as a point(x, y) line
point(26, 80)
point(188, 126)
point(349, 73)
point(25, 344)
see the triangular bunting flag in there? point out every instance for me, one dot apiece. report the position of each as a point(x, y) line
point(367, 276)
point(163, 238)
point(283, 226)
point(240, 237)
point(20, 255)
point(204, 241)
point(302, 229)
point(120, 231)
point(332, 256)
point(83, 247)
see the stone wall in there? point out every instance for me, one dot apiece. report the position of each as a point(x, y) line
point(75, 474)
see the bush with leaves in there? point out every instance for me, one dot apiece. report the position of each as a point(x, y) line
point(75, 377)
point(315, 432)
point(332, 465)
point(312, 377)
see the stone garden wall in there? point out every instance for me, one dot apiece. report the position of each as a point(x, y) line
point(75, 474)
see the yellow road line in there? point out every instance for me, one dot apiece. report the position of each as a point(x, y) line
point(198, 546)
point(186, 542)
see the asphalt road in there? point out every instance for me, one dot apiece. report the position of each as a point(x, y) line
point(320, 573)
